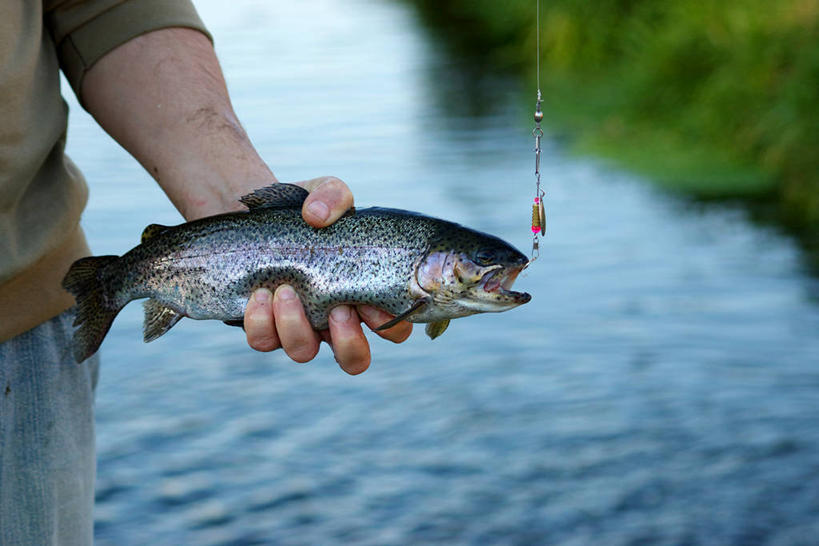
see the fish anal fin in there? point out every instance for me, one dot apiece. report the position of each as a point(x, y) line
point(406, 314)
point(435, 329)
point(275, 196)
point(159, 318)
point(151, 231)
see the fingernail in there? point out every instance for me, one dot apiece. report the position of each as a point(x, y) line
point(285, 293)
point(340, 313)
point(262, 295)
point(319, 209)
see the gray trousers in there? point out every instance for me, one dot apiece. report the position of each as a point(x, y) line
point(47, 462)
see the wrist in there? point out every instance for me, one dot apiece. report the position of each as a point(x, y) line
point(217, 195)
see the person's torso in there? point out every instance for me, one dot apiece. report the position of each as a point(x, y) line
point(42, 194)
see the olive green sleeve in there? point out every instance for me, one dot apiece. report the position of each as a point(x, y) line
point(84, 31)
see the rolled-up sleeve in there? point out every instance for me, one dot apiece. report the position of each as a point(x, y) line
point(84, 31)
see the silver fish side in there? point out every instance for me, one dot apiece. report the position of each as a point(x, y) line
point(408, 264)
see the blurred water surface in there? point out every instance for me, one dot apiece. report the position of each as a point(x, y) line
point(661, 388)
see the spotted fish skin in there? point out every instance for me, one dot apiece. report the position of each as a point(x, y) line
point(208, 268)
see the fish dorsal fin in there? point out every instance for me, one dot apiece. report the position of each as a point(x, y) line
point(275, 196)
point(151, 231)
point(158, 320)
point(435, 329)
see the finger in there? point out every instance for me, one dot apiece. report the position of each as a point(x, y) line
point(374, 318)
point(349, 344)
point(259, 325)
point(300, 341)
point(329, 198)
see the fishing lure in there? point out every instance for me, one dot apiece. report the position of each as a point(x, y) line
point(538, 207)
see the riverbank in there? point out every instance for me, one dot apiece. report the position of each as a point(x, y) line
point(714, 100)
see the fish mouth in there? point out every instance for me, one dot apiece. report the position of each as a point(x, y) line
point(498, 284)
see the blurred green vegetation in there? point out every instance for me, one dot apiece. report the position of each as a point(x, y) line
point(715, 98)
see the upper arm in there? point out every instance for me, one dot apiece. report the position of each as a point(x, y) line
point(84, 31)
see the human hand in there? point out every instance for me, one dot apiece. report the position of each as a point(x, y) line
point(278, 320)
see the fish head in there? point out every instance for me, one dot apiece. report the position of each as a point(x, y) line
point(468, 272)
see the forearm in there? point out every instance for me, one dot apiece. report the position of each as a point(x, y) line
point(162, 96)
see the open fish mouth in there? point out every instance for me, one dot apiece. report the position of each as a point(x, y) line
point(499, 283)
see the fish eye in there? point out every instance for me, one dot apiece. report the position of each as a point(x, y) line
point(485, 256)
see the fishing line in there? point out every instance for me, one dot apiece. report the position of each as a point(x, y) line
point(538, 209)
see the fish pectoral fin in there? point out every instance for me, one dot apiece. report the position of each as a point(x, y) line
point(275, 196)
point(151, 231)
point(158, 319)
point(411, 311)
point(235, 322)
point(435, 329)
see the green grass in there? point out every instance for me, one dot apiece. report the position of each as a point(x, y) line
point(598, 128)
point(716, 98)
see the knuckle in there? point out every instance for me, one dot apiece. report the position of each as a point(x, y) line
point(258, 320)
point(290, 316)
point(263, 344)
point(261, 334)
point(334, 182)
point(338, 191)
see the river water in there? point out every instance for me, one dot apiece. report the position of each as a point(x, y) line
point(662, 387)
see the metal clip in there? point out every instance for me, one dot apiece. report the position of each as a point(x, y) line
point(538, 210)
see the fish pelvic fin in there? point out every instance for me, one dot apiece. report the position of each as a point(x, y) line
point(411, 311)
point(275, 196)
point(94, 310)
point(435, 329)
point(159, 318)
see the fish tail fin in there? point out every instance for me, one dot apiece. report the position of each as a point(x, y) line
point(95, 311)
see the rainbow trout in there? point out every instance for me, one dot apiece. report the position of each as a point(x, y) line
point(418, 268)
